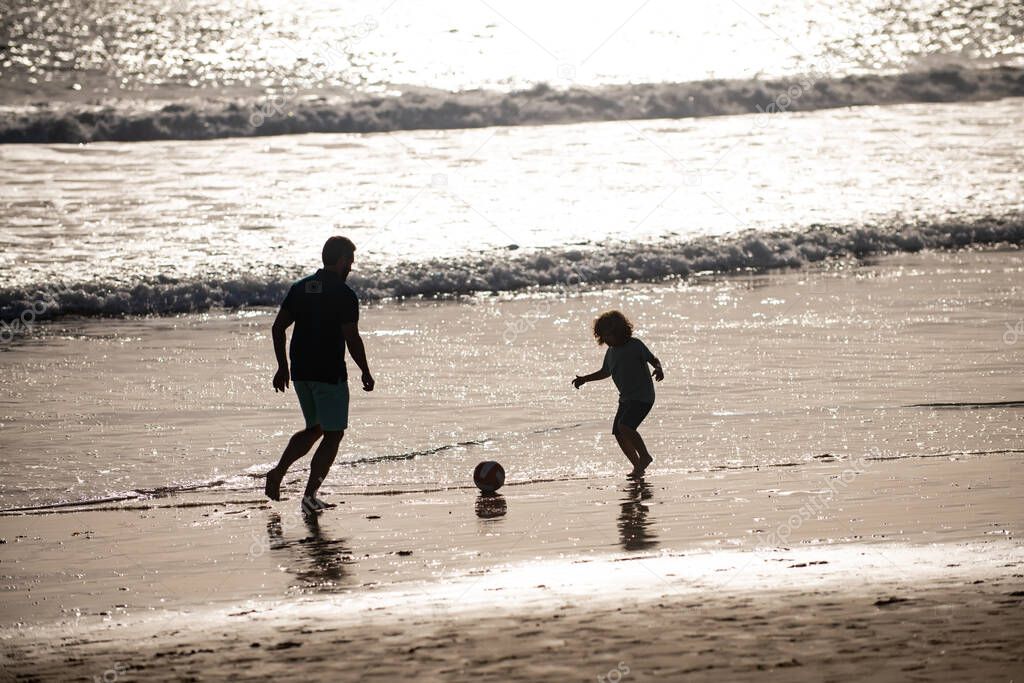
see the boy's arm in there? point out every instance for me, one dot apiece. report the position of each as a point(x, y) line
point(659, 373)
point(592, 377)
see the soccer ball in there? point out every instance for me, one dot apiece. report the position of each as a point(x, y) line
point(489, 476)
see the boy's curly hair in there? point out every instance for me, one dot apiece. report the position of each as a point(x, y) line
point(611, 322)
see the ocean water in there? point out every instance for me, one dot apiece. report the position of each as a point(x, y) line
point(106, 47)
point(454, 193)
point(167, 169)
point(176, 226)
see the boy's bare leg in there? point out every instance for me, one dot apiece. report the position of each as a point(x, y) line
point(643, 456)
point(322, 461)
point(628, 449)
point(298, 446)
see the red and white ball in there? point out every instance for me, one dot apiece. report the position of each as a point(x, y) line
point(489, 476)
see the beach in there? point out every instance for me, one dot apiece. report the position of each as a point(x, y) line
point(822, 524)
point(812, 213)
point(910, 572)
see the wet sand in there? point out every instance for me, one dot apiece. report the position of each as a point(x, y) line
point(903, 570)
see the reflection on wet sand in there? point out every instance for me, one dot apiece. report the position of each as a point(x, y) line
point(317, 560)
point(634, 528)
point(491, 505)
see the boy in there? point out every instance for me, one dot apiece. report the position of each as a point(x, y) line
point(625, 362)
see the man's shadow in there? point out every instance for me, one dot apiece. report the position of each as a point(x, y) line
point(321, 563)
point(635, 530)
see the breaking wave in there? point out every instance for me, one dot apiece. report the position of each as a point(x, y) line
point(284, 114)
point(508, 271)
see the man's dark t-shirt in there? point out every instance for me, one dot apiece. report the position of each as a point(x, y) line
point(320, 304)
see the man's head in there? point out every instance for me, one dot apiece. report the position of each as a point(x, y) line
point(338, 254)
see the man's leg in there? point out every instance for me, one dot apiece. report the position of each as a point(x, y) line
point(298, 446)
point(332, 409)
point(324, 457)
point(301, 442)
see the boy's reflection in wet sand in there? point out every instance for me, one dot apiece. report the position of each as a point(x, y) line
point(634, 529)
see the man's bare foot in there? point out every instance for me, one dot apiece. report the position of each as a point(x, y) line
point(311, 505)
point(273, 486)
point(644, 463)
point(635, 474)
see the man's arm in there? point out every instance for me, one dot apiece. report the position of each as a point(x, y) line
point(358, 352)
point(281, 323)
point(592, 377)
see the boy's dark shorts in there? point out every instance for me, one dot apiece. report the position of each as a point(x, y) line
point(631, 414)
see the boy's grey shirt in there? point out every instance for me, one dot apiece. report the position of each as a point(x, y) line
point(627, 364)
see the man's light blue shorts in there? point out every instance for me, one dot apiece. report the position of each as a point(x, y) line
point(323, 404)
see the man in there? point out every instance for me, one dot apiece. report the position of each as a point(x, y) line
point(326, 316)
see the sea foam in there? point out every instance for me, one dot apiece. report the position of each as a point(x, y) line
point(259, 115)
point(504, 270)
